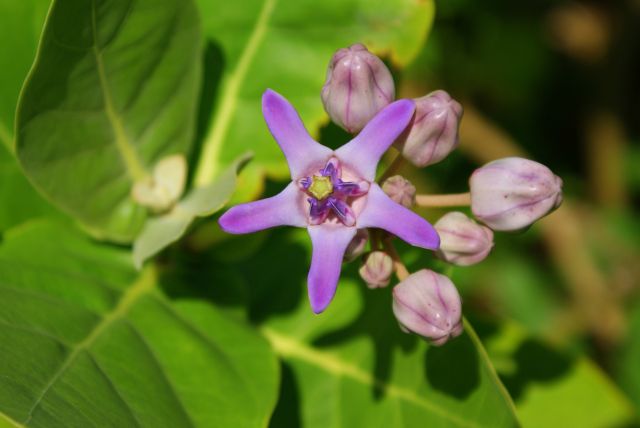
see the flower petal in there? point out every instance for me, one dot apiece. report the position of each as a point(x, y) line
point(343, 211)
point(364, 152)
point(381, 212)
point(283, 209)
point(351, 188)
point(329, 244)
point(302, 151)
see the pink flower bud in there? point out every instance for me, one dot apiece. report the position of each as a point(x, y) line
point(433, 133)
point(357, 245)
point(428, 304)
point(358, 86)
point(512, 193)
point(463, 242)
point(377, 269)
point(400, 190)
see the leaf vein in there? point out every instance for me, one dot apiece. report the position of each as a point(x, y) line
point(165, 378)
point(142, 286)
point(208, 166)
point(114, 388)
point(289, 347)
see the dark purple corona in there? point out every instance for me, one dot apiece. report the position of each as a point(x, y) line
point(330, 195)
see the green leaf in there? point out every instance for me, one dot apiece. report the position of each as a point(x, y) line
point(86, 341)
point(113, 90)
point(20, 26)
point(19, 200)
point(352, 365)
point(286, 45)
point(628, 369)
point(539, 377)
point(161, 231)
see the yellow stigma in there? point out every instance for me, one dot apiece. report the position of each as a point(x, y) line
point(320, 187)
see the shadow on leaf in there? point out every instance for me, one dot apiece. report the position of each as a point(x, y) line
point(287, 411)
point(453, 368)
point(376, 321)
point(535, 362)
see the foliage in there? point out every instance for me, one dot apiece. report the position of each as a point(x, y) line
point(112, 314)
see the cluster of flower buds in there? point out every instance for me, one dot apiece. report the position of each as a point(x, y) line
point(359, 85)
point(334, 194)
point(507, 194)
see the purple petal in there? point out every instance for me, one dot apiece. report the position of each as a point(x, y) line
point(364, 152)
point(304, 183)
point(343, 211)
point(351, 189)
point(283, 209)
point(329, 244)
point(332, 169)
point(383, 213)
point(302, 151)
point(319, 210)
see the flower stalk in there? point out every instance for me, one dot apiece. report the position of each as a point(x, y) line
point(448, 200)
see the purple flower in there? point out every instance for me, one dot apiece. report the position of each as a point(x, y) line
point(332, 193)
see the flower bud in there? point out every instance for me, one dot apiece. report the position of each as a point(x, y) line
point(357, 245)
point(377, 269)
point(463, 242)
point(400, 190)
point(512, 193)
point(358, 85)
point(428, 304)
point(433, 133)
point(163, 188)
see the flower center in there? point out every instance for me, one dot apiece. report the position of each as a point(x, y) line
point(330, 196)
point(320, 187)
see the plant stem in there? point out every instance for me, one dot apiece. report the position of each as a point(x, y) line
point(401, 270)
point(451, 200)
point(392, 168)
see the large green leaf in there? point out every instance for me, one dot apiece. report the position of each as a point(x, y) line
point(86, 341)
point(554, 388)
point(114, 89)
point(21, 24)
point(352, 365)
point(18, 199)
point(20, 27)
point(286, 45)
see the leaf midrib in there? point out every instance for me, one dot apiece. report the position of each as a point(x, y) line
point(208, 166)
point(128, 153)
point(292, 348)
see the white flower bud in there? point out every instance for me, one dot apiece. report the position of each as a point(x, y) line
point(433, 133)
point(358, 85)
point(400, 190)
point(428, 304)
point(512, 193)
point(463, 242)
point(377, 269)
point(163, 189)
